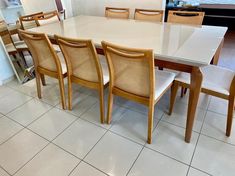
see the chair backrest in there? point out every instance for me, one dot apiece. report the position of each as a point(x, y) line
point(131, 70)
point(81, 59)
point(186, 17)
point(28, 21)
point(47, 18)
point(113, 12)
point(149, 15)
point(44, 55)
point(5, 34)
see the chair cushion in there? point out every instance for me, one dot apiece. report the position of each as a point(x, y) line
point(105, 70)
point(62, 61)
point(163, 79)
point(215, 78)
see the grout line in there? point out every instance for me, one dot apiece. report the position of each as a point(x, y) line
point(167, 156)
point(5, 170)
point(201, 170)
point(135, 161)
point(18, 106)
point(32, 158)
point(194, 151)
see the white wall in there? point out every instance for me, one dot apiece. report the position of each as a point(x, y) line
point(67, 4)
point(6, 71)
point(34, 6)
point(96, 7)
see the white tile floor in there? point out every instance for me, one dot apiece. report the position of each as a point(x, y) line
point(37, 138)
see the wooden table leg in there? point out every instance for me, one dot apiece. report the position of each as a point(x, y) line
point(195, 89)
point(217, 54)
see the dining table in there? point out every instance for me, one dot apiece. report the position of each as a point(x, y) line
point(179, 47)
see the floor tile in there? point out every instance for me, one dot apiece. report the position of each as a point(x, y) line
point(80, 137)
point(84, 169)
point(29, 112)
point(133, 125)
point(5, 91)
point(52, 161)
point(203, 101)
point(93, 115)
point(19, 150)
point(51, 95)
point(151, 163)
point(52, 123)
point(169, 140)
point(8, 128)
point(78, 97)
point(219, 160)
point(195, 172)
point(219, 105)
point(113, 155)
point(82, 104)
point(28, 88)
point(215, 126)
point(135, 106)
point(179, 116)
point(3, 173)
point(9, 103)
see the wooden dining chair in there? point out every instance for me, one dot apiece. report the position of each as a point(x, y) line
point(13, 48)
point(217, 81)
point(84, 68)
point(185, 17)
point(46, 61)
point(113, 12)
point(133, 76)
point(28, 21)
point(47, 18)
point(149, 15)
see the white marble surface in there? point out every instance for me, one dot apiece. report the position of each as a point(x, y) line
point(192, 45)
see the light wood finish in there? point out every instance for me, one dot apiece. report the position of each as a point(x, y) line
point(186, 17)
point(196, 79)
point(139, 86)
point(149, 15)
point(28, 21)
point(46, 61)
point(112, 12)
point(46, 18)
point(84, 68)
point(217, 54)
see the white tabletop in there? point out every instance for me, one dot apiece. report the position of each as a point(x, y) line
point(192, 45)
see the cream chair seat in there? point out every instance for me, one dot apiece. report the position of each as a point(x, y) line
point(215, 78)
point(218, 82)
point(163, 79)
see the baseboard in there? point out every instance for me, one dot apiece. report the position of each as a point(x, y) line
point(5, 81)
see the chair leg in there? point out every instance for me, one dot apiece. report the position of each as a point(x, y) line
point(101, 93)
point(150, 122)
point(43, 79)
point(70, 94)
point(182, 92)
point(185, 91)
point(174, 90)
point(230, 115)
point(61, 84)
point(110, 107)
point(39, 91)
